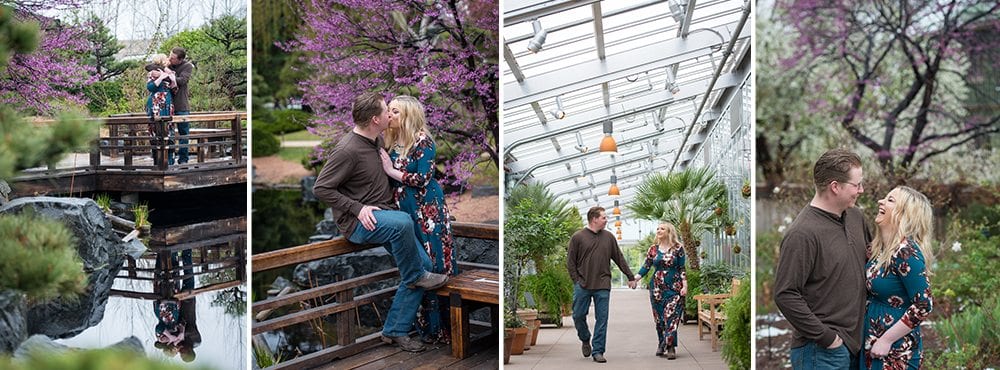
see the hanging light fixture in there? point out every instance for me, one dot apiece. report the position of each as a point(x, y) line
point(613, 190)
point(579, 143)
point(535, 45)
point(559, 113)
point(618, 223)
point(608, 144)
point(616, 211)
point(619, 237)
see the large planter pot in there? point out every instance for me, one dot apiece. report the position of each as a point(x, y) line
point(508, 339)
point(517, 345)
point(528, 317)
point(534, 332)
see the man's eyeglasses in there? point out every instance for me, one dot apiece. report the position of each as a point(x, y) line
point(859, 185)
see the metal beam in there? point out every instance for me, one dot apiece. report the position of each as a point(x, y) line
point(598, 30)
point(617, 66)
point(508, 56)
point(517, 11)
point(583, 21)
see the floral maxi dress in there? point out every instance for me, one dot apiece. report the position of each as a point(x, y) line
point(420, 195)
point(665, 292)
point(899, 291)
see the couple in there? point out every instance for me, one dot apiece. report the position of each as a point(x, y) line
point(588, 261)
point(855, 301)
point(167, 82)
point(364, 185)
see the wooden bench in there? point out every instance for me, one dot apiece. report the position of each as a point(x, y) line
point(709, 315)
point(468, 291)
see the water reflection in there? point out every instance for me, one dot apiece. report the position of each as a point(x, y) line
point(184, 299)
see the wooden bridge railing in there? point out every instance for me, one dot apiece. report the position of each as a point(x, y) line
point(346, 304)
point(128, 137)
point(166, 273)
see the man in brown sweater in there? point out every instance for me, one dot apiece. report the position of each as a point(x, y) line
point(182, 106)
point(353, 183)
point(591, 251)
point(820, 280)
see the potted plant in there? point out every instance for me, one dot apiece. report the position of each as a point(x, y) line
point(534, 331)
point(528, 317)
point(746, 188)
point(512, 321)
point(508, 339)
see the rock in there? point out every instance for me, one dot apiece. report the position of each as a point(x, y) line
point(477, 250)
point(130, 344)
point(13, 326)
point(307, 188)
point(348, 266)
point(328, 226)
point(38, 342)
point(4, 191)
point(101, 251)
point(484, 191)
point(281, 283)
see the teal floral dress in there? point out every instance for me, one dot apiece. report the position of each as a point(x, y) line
point(665, 292)
point(420, 195)
point(899, 291)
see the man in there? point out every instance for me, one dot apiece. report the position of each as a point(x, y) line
point(182, 105)
point(591, 251)
point(820, 280)
point(357, 189)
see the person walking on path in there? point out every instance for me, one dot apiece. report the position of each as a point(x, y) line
point(667, 288)
point(591, 251)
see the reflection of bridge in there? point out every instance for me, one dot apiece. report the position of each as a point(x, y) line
point(213, 253)
point(354, 349)
point(121, 158)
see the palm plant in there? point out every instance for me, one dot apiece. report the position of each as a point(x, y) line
point(688, 200)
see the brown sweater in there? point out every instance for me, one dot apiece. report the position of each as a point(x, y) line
point(590, 256)
point(819, 284)
point(353, 178)
point(181, 97)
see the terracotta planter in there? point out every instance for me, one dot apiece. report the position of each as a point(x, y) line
point(508, 339)
point(528, 317)
point(517, 345)
point(534, 332)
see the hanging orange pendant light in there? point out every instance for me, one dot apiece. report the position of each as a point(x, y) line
point(608, 144)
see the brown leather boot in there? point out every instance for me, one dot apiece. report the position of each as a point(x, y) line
point(671, 355)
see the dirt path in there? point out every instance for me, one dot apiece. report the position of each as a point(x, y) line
point(274, 170)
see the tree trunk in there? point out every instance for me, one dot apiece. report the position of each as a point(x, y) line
point(690, 247)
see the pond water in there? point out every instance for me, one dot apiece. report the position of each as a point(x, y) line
point(205, 232)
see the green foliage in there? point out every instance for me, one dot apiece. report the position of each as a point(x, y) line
point(38, 258)
point(718, 277)
point(967, 357)
point(103, 200)
point(17, 37)
point(954, 283)
point(283, 121)
point(530, 234)
point(264, 143)
point(141, 213)
point(264, 357)
point(694, 288)
point(981, 214)
point(736, 332)
point(766, 252)
point(107, 359)
point(687, 199)
point(104, 97)
point(103, 47)
point(551, 286)
point(23, 145)
point(218, 50)
point(512, 320)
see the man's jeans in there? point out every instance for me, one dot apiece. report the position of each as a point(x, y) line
point(581, 305)
point(813, 356)
point(394, 231)
point(183, 128)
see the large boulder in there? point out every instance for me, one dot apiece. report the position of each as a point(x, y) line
point(477, 250)
point(101, 251)
point(13, 326)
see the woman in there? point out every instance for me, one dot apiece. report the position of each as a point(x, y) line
point(667, 288)
point(410, 163)
point(899, 294)
point(159, 81)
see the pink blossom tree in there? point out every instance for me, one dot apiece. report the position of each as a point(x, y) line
point(444, 52)
point(55, 71)
point(903, 75)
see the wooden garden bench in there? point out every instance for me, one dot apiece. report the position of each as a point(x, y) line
point(468, 291)
point(709, 314)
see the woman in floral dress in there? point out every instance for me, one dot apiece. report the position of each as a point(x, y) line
point(410, 164)
point(159, 80)
point(899, 293)
point(668, 287)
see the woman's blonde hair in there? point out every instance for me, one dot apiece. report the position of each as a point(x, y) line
point(670, 238)
point(160, 59)
point(411, 123)
point(913, 218)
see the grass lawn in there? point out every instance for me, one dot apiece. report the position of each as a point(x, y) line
point(294, 154)
point(301, 136)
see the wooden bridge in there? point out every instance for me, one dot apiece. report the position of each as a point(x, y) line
point(356, 351)
point(121, 157)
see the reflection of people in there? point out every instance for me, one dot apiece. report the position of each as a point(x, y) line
point(591, 251)
point(899, 293)
point(159, 80)
point(819, 282)
point(668, 287)
point(417, 193)
point(182, 105)
point(169, 329)
point(355, 186)
point(192, 337)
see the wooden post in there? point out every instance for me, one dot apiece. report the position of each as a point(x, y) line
point(112, 132)
point(128, 147)
point(161, 131)
point(459, 327)
point(237, 140)
point(95, 153)
point(345, 320)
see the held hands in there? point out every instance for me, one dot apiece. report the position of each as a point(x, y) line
point(367, 218)
point(633, 283)
point(388, 167)
point(881, 348)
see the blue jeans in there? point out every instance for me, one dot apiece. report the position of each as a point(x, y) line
point(581, 305)
point(813, 356)
point(394, 231)
point(183, 128)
